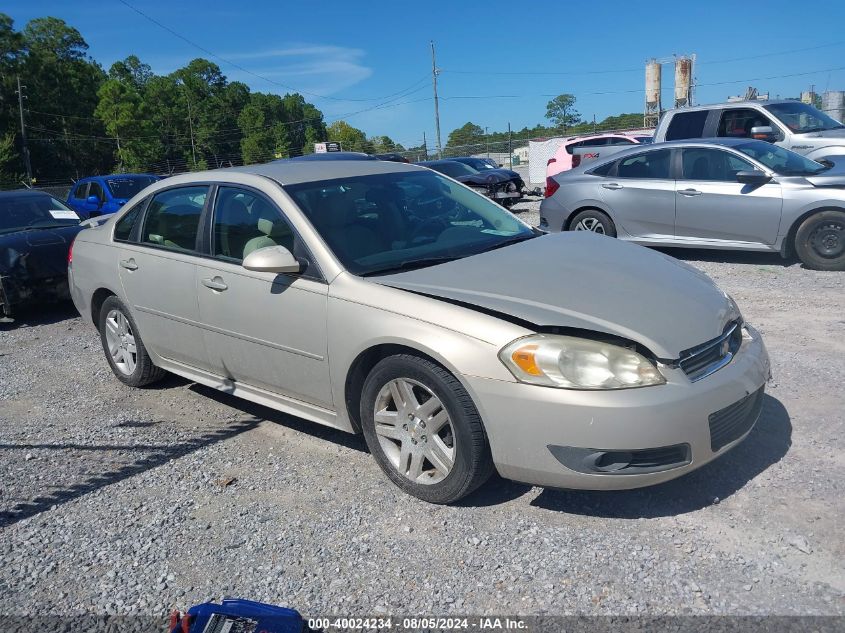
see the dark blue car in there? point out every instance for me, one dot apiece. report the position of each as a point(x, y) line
point(97, 195)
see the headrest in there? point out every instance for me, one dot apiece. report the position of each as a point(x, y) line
point(265, 225)
point(337, 210)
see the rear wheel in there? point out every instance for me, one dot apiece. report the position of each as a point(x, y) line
point(595, 221)
point(423, 429)
point(123, 346)
point(820, 241)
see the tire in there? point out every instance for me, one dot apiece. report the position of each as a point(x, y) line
point(118, 332)
point(442, 461)
point(595, 221)
point(820, 241)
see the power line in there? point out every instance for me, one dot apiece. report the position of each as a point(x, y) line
point(242, 68)
point(610, 71)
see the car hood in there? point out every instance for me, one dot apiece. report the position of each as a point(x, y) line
point(36, 254)
point(833, 177)
point(584, 281)
point(836, 137)
point(491, 176)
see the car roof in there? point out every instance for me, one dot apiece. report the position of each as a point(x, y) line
point(329, 156)
point(650, 147)
point(439, 161)
point(734, 104)
point(115, 176)
point(291, 172)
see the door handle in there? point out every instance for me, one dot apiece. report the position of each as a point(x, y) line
point(214, 284)
point(689, 192)
point(612, 185)
point(129, 264)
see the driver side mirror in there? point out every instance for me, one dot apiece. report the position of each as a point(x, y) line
point(93, 200)
point(763, 133)
point(752, 177)
point(272, 259)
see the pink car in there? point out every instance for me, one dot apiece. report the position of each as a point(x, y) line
point(562, 160)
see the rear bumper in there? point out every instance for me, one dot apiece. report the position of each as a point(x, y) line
point(555, 437)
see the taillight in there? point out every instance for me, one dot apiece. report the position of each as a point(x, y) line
point(70, 252)
point(550, 161)
point(576, 160)
point(552, 185)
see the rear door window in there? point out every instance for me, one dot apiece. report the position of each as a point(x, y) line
point(173, 218)
point(646, 165)
point(80, 193)
point(686, 125)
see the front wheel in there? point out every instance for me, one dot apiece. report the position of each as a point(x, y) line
point(820, 241)
point(595, 221)
point(423, 429)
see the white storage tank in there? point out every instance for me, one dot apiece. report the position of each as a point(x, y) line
point(833, 104)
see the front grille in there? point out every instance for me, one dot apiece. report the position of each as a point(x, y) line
point(734, 421)
point(703, 360)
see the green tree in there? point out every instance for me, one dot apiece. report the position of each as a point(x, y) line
point(561, 111)
point(61, 86)
point(263, 126)
point(126, 117)
point(350, 138)
point(385, 144)
point(466, 137)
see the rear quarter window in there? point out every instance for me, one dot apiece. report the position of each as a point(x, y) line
point(123, 227)
point(686, 125)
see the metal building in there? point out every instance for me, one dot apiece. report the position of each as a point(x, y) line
point(683, 81)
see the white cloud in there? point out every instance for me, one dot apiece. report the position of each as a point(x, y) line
point(321, 69)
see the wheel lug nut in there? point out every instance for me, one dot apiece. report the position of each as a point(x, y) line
point(422, 424)
point(423, 438)
point(404, 427)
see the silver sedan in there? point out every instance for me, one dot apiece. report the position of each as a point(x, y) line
point(387, 299)
point(722, 193)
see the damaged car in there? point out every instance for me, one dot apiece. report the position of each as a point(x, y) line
point(502, 185)
point(386, 299)
point(36, 231)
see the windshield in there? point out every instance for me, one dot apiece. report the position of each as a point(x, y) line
point(802, 118)
point(453, 169)
point(28, 211)
point(128, 186)
point(387, 222)
point(779, 160)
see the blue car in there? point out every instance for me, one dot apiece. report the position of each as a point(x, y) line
point(98, 195)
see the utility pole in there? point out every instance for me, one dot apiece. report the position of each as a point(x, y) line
point(434, 73)
point(24, 147)
point(510, 148)
point(190, 124)
point(425, 147)
point(487, 140)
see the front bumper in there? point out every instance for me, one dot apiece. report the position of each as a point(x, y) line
point(527, 424)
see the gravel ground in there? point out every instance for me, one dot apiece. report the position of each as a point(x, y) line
point(116, 500)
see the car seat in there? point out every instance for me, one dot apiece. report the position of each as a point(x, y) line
point(700, 169)
point(337, 219)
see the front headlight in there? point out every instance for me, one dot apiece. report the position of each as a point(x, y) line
point(577, 363)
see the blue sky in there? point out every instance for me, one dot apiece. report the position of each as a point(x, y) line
point(500, 60)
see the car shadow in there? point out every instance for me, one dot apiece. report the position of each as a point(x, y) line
point(44, 314)
point(149, 457)
point(301, 425)
point(766, 445)
point(753, 258)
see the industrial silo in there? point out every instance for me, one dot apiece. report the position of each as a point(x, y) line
point(653, 106)
point(683, 82)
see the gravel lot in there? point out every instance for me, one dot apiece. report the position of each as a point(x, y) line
point(116, 500)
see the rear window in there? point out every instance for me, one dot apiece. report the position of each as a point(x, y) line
point(686, 125)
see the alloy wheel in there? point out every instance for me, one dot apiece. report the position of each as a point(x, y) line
point(415, 431)
point(121, 342)
point(590, 224)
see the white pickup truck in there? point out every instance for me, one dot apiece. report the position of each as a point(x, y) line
point(791, 124)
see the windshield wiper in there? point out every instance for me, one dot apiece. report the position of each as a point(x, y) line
point(411, 264)
point(509, 242)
